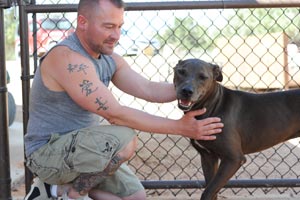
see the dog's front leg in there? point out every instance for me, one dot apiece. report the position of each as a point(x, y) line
point(209, 163)
point(227, 169)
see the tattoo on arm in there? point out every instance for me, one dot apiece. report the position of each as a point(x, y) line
point(101, 105)
point(86, 86)
point(77, 68)
point(87, 181)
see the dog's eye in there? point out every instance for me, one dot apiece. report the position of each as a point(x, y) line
point(202, 77)
point(182, 72)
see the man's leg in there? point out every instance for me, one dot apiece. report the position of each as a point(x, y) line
point(98, 149)
point(87, 181)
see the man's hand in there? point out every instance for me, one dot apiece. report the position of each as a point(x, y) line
point(204, 129)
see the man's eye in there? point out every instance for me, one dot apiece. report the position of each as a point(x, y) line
point(109, 26)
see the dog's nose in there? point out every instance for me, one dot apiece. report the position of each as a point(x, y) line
point(187, 91)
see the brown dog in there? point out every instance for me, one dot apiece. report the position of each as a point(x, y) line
point(252, 122)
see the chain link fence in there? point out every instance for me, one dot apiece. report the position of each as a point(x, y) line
point(258, 50)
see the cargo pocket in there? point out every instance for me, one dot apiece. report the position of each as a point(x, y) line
point(45, 173)
point(93, 151)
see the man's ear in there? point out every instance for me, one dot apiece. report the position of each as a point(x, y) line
point(82, 22)
point(217, 72)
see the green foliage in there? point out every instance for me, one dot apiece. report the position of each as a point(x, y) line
point(245, 22)
point(186, 35)
point(9, 30)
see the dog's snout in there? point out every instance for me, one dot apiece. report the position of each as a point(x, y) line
point(187, 91)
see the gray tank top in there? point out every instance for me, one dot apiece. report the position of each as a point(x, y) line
point(60, 114)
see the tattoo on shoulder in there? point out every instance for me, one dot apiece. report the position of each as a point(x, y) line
point(87, 87)
point(101, 104)
point(77, 68)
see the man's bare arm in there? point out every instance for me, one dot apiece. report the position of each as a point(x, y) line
point(76, 75)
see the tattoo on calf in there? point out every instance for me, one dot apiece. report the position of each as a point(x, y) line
point(113, 165)
point(86, 181)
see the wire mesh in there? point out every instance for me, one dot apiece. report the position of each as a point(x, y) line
point(258, 50)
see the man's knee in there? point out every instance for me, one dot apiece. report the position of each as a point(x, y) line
point(128, 151)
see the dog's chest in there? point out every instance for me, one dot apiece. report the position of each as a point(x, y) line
point(198, 146)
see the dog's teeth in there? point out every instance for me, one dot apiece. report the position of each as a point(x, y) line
point(185, 103)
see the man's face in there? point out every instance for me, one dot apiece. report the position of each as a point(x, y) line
point(104, 28)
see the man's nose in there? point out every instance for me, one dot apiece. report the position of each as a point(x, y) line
point(116, 34)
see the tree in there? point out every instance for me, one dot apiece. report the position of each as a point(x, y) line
point(10, 24)
point(246, 22)
point(186, 36)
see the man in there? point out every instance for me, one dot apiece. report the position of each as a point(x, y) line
point(66, 147)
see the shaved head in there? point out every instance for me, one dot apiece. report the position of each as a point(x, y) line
point(86, 6)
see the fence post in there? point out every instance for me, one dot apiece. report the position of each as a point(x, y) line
point(25, 77)
point(5, 180)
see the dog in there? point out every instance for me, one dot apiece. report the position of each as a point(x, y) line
point(252, 122)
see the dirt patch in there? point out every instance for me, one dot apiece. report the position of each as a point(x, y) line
point(172, 158)
point(18, 188)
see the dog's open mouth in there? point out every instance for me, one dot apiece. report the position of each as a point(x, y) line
point(185, 105)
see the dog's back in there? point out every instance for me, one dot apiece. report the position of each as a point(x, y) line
point(261, 120)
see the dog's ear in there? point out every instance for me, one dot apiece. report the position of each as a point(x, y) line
point(179, 62)
point(217, 73)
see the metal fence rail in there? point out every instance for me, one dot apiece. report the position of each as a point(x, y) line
point(255, 42)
